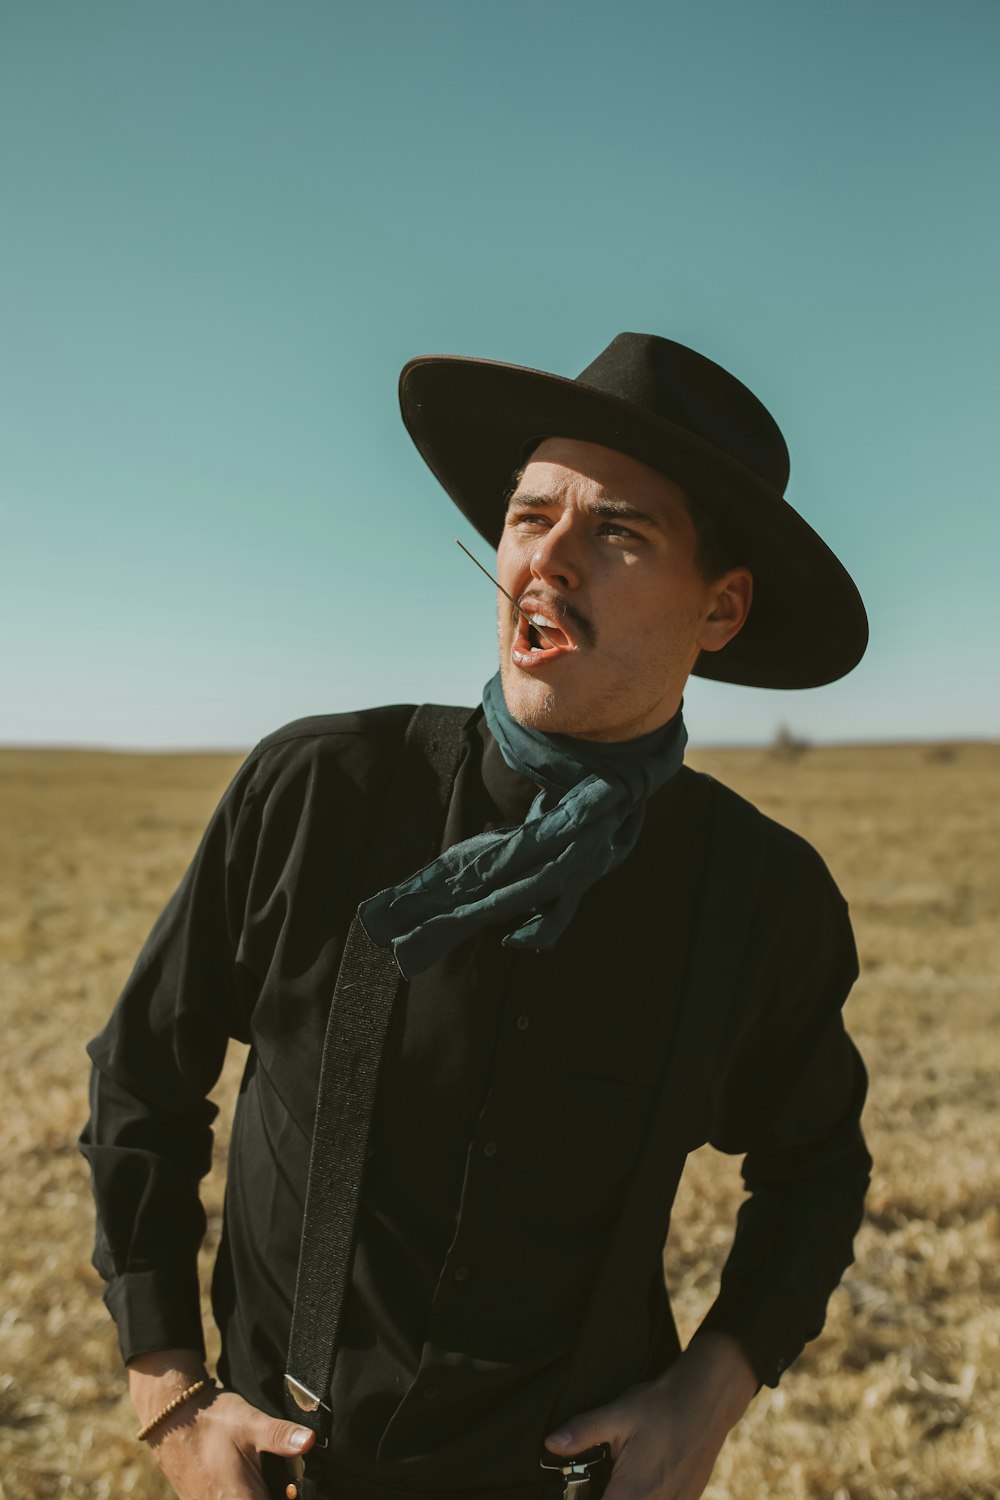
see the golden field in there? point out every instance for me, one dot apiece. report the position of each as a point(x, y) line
point(900, 1397)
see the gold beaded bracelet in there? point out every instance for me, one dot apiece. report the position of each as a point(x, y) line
point(170, 1407)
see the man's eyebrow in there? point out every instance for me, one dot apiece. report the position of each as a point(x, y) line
point(609, 508)
point(623, 510)
point(525, 497)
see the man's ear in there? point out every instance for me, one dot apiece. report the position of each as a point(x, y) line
point(732, 595)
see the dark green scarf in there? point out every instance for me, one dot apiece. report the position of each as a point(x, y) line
point(583, 823)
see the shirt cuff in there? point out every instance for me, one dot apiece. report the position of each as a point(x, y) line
point(768, 1338)
point(155, 1311)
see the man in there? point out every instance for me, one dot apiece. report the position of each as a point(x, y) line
point(608, 959)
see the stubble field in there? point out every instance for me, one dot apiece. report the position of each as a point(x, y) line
point(899, 1398)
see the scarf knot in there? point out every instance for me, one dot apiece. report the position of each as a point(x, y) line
point(584, 822)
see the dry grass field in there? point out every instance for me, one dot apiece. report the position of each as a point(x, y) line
point(898, 1400)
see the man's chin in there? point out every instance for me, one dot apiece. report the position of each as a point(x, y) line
point(530, 700)
point(538, 704)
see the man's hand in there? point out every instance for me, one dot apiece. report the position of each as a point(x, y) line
point(210, 1447)
point(665, 1434)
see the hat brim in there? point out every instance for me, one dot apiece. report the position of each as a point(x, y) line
point(472, 420)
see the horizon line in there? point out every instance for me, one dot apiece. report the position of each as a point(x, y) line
point(102, 748)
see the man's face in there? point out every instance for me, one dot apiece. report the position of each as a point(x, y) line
point(603, 548)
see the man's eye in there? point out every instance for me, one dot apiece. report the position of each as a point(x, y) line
point(610, 528)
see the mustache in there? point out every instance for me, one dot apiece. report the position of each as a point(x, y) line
point(559, 610)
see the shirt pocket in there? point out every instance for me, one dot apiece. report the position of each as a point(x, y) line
point(604, 1121)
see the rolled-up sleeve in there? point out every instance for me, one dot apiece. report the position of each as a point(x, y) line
point(149, 1138)
point(790, 1103)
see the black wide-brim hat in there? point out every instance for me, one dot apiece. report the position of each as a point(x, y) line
point(475, 421)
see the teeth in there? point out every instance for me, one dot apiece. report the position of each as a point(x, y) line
point(543, 621)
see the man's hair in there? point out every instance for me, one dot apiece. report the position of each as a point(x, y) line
point(716, 550)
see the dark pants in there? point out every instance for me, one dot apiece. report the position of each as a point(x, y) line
point(278, 1473)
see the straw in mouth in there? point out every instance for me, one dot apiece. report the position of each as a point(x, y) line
point(527, 618)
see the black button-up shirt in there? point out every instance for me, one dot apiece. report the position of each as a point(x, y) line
point(513, 1100)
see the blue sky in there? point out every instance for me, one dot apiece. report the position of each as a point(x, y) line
point(228, 225)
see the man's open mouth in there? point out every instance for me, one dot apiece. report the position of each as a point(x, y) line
point(539, 640)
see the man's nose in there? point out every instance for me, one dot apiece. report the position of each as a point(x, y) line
point(554, 559)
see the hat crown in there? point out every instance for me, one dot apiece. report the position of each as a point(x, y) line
point(679, 385)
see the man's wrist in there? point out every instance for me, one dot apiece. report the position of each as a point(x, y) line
point(156, 1378)
point(716, 1375)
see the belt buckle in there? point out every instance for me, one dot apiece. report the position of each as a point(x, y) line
point(576, 1469)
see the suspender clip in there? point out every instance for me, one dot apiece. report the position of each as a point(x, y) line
point(578, 1469)
point(307, 1401)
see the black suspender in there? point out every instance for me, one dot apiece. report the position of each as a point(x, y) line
point(407, 836)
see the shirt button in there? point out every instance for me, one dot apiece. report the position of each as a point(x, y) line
point(432, 1393)
point(490, 1149)
point(463, 1273)
point(523, 1023)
